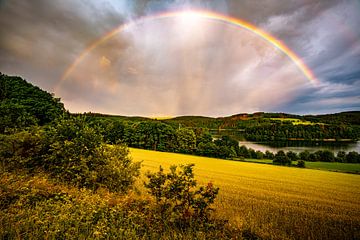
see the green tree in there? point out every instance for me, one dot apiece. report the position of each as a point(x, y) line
point(208, 149)
point(24, 104)
point(304, 155)
point(341, 156)
point(186, 140)
point(76, 154)
point(22, 149)
point(292, 155)
point(300, 164)
point(353, 157)
point(327, 156)
point(281, 158)
point(15, 116)
point(268, 155)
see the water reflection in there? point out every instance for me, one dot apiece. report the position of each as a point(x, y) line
point(295, 146)
point(299, 146)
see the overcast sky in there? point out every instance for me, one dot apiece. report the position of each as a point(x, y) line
point(186, 65)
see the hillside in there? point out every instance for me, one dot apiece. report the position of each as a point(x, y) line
point(344, 118)
point(23, 104)
point(264, 126)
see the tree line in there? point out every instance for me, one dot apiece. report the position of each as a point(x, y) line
point(281, 132)
point(23, 105)
point(289, 156)
point(158, 136)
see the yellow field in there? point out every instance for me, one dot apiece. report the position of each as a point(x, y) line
point(273, 201)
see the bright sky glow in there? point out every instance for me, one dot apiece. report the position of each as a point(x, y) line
point(161, 57)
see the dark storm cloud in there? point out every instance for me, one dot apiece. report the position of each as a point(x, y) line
point(40, 39)
point(39, 36)
point(326, 35)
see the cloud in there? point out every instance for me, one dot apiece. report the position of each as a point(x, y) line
point(172, 67)
point(221, 71)
point(41, 36)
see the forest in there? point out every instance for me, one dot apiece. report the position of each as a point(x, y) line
point(24, 105)
point(70, 176)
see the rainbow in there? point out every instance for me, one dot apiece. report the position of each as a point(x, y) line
point(205, 15)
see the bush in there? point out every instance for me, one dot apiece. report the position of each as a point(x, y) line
point(32, 207)
point(177, 198)
point(22, 149)
point(73, 152)
point(78, 155)
point(292, 155)
point(281, 158)
point(113, 168)
point(300, 164)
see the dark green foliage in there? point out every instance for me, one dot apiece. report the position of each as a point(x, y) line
point(14, 115)
point(318, 156)
point(186, 140)
point(281, 158)
point(203, 137)
point(283, 131)
point(243, 152)
point(177, 198)
point(73, 152)
point(327, 156)
point(22, 104)
point(112, 167)
point(260, 126)
point(341, 156)
point(314, 157)
point(224, 147)
point(22, 149)
point(209, 149)
point(156, 135)
point(349, 118)
point(292, 155)
point(304, 155)
point(300, 164)
point(353, 157)
point(76, 154)
point(269, 155)
point(259, 154)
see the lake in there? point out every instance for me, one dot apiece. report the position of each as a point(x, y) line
point(300, 146)
point(295, 146)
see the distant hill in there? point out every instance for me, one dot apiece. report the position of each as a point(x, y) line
point(352, 117)
point(243, 119)
point(113, 117)
point(23, 104)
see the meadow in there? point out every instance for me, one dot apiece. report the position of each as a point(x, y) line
point(335, 166)
point(327, 166)
point(274, 202)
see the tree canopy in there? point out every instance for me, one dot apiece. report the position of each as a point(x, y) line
point(23, 104)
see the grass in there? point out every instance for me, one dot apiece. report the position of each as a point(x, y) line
point(264, 161)
point(340, 167)
point(272, 201)
point(294, 121)
point(327, 166)
point(35, 206)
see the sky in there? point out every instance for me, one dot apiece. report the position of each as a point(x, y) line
point(185, 64)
